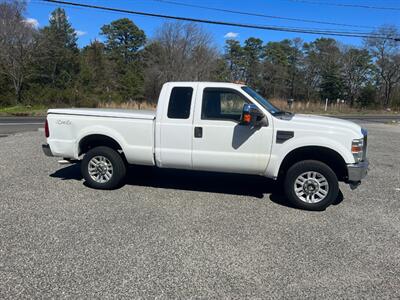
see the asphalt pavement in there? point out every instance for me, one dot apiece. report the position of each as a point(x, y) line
point(373, 118)
point(180, 234)
point(10, 125)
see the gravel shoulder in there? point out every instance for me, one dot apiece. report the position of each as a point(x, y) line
point(179, 234)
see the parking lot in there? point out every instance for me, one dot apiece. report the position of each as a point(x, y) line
point(180, 234)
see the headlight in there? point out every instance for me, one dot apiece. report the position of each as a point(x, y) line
point(357, 149)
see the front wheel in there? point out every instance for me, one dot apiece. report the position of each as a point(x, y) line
point(311, 185)
point(103, 168)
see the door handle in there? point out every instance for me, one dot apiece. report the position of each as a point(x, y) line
point(198, 132)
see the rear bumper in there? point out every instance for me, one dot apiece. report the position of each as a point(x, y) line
point(46, 150)
point(357, 171)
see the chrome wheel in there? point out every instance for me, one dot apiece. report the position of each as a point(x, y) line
point(100, 169)
point(311, 187)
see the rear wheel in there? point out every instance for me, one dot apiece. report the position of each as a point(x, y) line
point(311, 185)
point(103, 168)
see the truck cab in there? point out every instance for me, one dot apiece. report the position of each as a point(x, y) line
point(200, 128)
point(213, 126)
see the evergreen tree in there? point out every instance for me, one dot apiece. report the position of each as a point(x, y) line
point(324, 63)
point(234, 55)
point(253, 52)
point(93, 64)
point(123, 39)
point(58, 54)
point(275, 68)
point(331, 85)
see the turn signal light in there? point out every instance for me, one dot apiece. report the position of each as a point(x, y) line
point(247, 118)
point(357, 148)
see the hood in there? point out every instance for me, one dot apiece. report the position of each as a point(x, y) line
point(322, 123)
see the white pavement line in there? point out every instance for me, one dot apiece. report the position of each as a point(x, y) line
point(20, 124)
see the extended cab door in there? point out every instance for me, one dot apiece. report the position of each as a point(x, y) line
point(174, 126)
point(220, 143)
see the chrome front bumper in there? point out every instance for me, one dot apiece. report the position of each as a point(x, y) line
point(357, 171)
point(46, 149)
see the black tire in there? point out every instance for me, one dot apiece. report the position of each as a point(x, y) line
point(118, 168)
point(311, 166)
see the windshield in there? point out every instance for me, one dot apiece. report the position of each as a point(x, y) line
point(260, 99)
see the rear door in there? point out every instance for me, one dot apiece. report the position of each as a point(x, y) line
point(176, 127)
point(220, 142)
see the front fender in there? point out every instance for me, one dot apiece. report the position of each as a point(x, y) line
point(280, 151)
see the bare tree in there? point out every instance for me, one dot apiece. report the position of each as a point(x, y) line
point(386, 53)
point(179, 52)
point(357, 69)
point(16, 44)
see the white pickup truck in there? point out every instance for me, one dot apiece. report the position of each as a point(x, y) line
point(209, 126)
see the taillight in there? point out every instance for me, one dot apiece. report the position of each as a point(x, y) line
point(46, 129)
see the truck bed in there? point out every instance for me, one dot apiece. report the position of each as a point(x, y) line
point(107, 112)
point(133, 130)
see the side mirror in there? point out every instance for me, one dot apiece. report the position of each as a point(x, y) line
point(251, 115)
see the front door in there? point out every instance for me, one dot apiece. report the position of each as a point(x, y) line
point(220, 143)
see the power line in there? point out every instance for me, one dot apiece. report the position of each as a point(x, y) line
point(260, 15)
point(44, 2)
point(216, 22)
point(347, 5)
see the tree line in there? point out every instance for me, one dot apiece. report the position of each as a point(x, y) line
point(46, 66)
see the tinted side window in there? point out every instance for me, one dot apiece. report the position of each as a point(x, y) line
point(222, 104)
point(179, 103)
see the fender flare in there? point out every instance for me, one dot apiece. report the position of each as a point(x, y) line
point(98, 130)
point(280, 152)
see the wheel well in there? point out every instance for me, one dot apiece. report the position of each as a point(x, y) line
point(328, 156)
point(96, 140)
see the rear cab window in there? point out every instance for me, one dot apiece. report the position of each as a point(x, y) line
point(180, 103)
